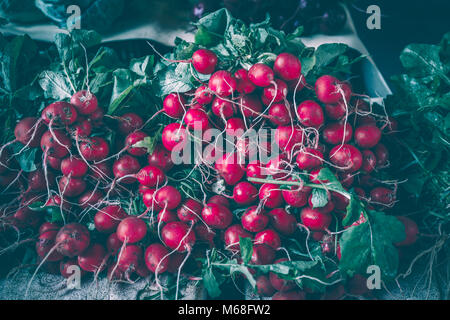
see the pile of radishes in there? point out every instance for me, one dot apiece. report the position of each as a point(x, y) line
point(87, 178)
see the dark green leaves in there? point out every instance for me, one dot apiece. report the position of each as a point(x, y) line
point(52, 213)
point(246, 246)
point(25, 157)
point(319, 198)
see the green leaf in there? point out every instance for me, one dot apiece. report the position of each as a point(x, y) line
point(52, 213)
point(143, 66)
point(26, 158)
point(319, 198)
point(246, 246)
point(55, 85)
point(421, 60)
point(148, 143)
point(210, 283)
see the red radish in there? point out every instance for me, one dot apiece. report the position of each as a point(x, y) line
point(261, 75)
point(142, 189)
point(217, 216)
point(222, 83)
point(82, 128)
point(131, 230)
point(229, 168)
point(205, 234)
point(178, 236)
point(71, 187)
point(254, 219)
point(280, 284)
point(166, 216)
point(268, 237)
point(328, 208)
point(168, 197)
point(157, 258)
point(130, 258)
point(113, 244)
point(68, 267)
point(282, 221)
point(54, 163)
point(28, 131)
point(287, 66)
point(52, 147)
point(26, 217)
point(310, 114)
point(92, 259)
point(328, 89)
point(203, 96)
point(288, 138)
point(346, 178)
point(382, 196)
point(314, 219)
point(276, 92)
point(59, 113)
point(148, 197)
point(49, 226)
point(309, 158)
point(411, 231)
point(223, 108)
point(296, 196)
point(369, 161)
point(174, 105)
point(335, 111)
point(45, 243)
point(367, 181)
point(196, 119)
point(245, 193)
point(218, 199)
point(382, 155)
point(290, 295)
point(36, 180)
point(340, 201)
point(55, 201)
point(263, 286)
point(161, 158)
point(250, 105)
point(279, 114)
point(151, 176)
point(244, 85)
point(126, 166)
point(190, 211)
point(262, 254)
point(176, 259)
point(96, 117)
point(174, 134)
point(107, 219)
point(130, 122)
point(74, 167)
point(367, 136)
point(90, 198)
point(347, 157)
point(204, 61)
point(333, 133)
point(270, 195)
point(72, 239)
point(255, 170)
point(232, 236)
point(95, 149)
point(366, 120)
point(134, 138)
point(235, 127)
point(84, 101)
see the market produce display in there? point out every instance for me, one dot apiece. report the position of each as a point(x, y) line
point(150, 167)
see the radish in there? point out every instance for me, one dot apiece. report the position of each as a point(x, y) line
point(296, 196)
point(55, 201)
point(310, 114)
point(113, 244)
point(268, 237)
point(156, 258)
point(255, 170)
point(64, 266)
point(134, 138)
point(131, 230)
point(90, 198)
point(232, 237)
point(161, 158)
point(28, 218)
point(336, 111)
point(278, 283)
point(108, 218)
point(130, 122)
point(261, 75)
point(279, 114)
point(250, 105)
point(72, 239)
point(290, 295)
point(36, 180)
point(382, 155)
point(263, 286)
point(254, 219)
point(369, 161)
point(243, 84)
point(367, 181)
point(148, 197)
point(168, 197)
point(347, 157)
point(276, 92)
point(205, 234)
point(262, 254)
point(287, 138)
point(173, 105)
point(94, 149)
point(196, 119)
point(333, 133)
point(218, 199)
point(129, 258)
point(57, 148)
point(126, 169)
point(411, 231)
point(222, 83)
point(223, 108)
point(204, 61)
point(270, 195)
point(92, 259)
point(49, 226)
point(245, 193)
point(327, 90)
point(282, 221)
point(73, 167)
point(309, 158)
point(71, 187)
point(328, 208)
point(81, 128)
point(347, 178)
point(314, 219)
point(190, 211)
point(178, 236)
point(150, 176)
point(367, 136)
point(235, 127)
point(382, 196)
point(203, 96)
point(166, 216)
point(84, 101)
point(174, 134)
point(287, 66)
point(45, 243)
point(28, 131)
point(59, 113)
point(54, 163)
point(229, 168)
point(217, 216)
